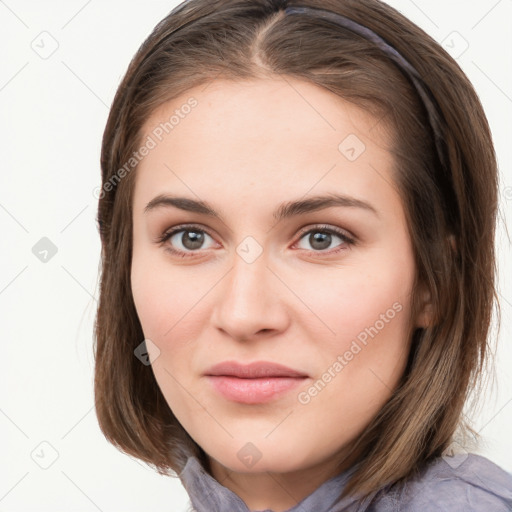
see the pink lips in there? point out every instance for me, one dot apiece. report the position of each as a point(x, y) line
point(255, 383)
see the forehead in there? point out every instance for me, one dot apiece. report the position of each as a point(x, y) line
point(255, 110)
point(264, 136)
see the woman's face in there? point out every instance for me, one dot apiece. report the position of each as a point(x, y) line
point(280, 273)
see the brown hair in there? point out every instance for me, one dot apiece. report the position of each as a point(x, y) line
point(451, 221)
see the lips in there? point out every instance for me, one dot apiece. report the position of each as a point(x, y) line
point(256, 370)
point(255, 383)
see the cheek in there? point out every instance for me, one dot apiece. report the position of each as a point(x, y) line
point(369, 358)
point(169, 302)
point(345, 305)
point(151, 299)
point(364, 355)
point(158, 293)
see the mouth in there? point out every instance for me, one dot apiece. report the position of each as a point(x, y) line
point(255, 383)
point(256, 370)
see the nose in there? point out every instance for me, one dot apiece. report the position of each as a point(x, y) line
point(250, 301)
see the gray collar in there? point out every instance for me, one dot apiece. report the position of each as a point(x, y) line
point(208, 495)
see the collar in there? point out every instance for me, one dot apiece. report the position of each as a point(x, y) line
point(208, 495)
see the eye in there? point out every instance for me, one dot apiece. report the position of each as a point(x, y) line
point(185, 240)
point(321, 238)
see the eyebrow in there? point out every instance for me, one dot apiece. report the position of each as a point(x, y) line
point(285, 210)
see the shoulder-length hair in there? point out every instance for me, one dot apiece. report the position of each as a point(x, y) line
point(451, 219)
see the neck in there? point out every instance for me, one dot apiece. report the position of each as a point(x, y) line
point(278, 491)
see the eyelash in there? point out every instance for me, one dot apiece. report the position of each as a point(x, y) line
point(348, 241)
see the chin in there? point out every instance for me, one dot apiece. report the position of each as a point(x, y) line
point(258, 456)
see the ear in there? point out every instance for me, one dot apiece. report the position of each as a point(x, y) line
point(425, 315)
point(453, 243)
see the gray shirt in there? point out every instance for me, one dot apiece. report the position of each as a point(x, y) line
point(461, 483)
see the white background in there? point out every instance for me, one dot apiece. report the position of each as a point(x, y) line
point(52, 115)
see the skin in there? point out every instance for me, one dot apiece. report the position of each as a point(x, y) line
point(246, 148)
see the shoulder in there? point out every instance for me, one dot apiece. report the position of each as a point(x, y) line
point(461, 483)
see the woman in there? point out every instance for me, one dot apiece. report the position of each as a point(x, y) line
point(297, 221)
